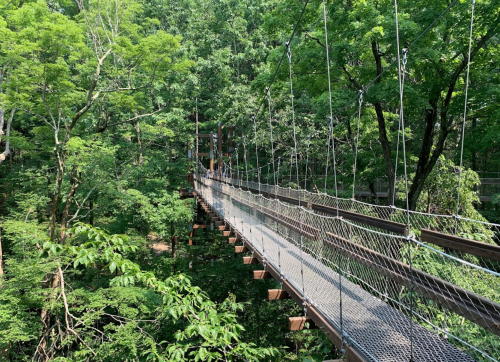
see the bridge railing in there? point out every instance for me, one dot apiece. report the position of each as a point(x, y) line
point(476, 230)
point(453, 294)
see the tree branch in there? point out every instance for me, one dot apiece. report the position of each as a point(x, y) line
point(137, 117)
point(315, 39)
point(68, 313)
point(351, 78)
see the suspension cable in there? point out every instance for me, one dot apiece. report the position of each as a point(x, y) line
point(402, 86)
point(328, 153)
point(331, 136)
point(307, 161)
point(289, 54)
point(465, 114)
point(357, 143)
point(256, 152)
point(396, 162)
point(237, 167)
point(401, 114)
point(245, 156)
point(268, 90)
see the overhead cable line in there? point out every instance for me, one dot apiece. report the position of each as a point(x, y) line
point(285, 52)
point(465, 111)
point(366, 87)
point(408, 226)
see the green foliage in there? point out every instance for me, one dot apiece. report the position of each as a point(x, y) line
point(441, 191)
point(134, 314)
point(103, 97)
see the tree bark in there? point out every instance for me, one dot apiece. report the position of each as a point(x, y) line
point(91, 212)
point(57, 192)
point(43, 353)
point(6, 151)
point(74, 183)
point(474, 152)
point(427, 161)
point(1, 251)
point(382, 129)
point(139, 141)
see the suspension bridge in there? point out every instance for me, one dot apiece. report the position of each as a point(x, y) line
point(361, 278)
point(383, 283)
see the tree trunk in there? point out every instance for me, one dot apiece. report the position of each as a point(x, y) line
point(474, 152)
point(57, 193)
point(6, 151)
point(139, 142)
point(172, 238)
point(91, 212)
point(74, 183)
point(382, 129)
point(140, 160)
point(426, 161)
point(60, 155)
point(1, 252)
point(43, 352)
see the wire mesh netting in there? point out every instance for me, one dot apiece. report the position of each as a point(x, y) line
point(396, 290)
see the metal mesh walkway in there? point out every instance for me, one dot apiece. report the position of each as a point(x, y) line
point(378, 330)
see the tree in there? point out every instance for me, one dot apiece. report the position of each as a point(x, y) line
point(362, 49)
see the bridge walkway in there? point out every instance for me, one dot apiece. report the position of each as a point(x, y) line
point(371, 328)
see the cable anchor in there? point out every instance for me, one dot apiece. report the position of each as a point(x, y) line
point(345, 341)
point(289, 52)
point(404, 52)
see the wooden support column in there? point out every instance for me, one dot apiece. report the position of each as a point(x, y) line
point(197, 138)
point(219, 139)
point(211, 155)
point(231, 150)
point(299, 323)
point(192, 235)
point(190, 178)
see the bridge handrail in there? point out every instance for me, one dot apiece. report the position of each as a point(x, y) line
point(468, 304)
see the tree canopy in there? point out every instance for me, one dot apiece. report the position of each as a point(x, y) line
point(100, 99)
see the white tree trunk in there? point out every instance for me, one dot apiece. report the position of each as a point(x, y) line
point(6, 152)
